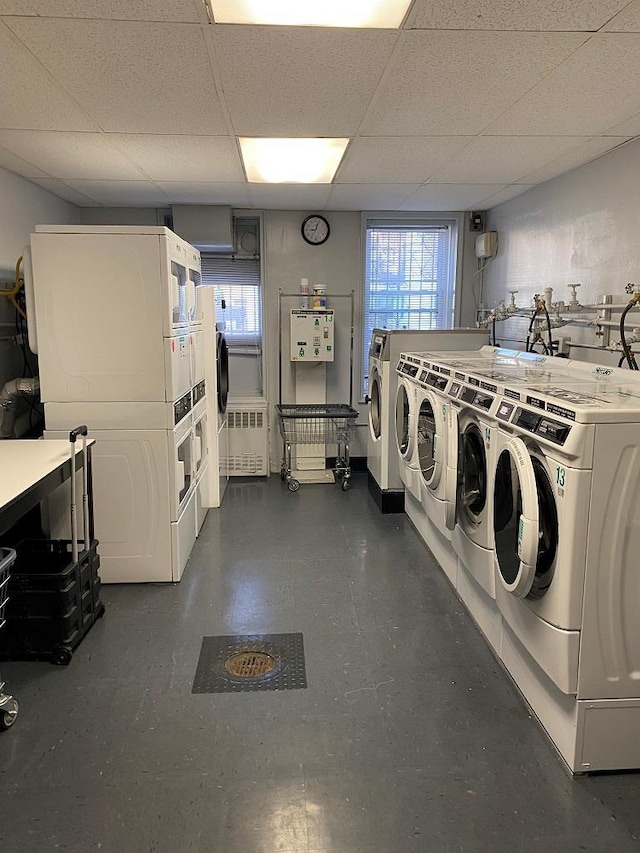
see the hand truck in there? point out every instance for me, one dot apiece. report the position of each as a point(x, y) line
point(8, 705)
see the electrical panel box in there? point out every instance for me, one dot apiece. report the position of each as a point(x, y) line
point(487, 245)
point(312, 334)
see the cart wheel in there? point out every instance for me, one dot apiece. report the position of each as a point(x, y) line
point(283, 474)
point(62, 655)
point(294, 485)
point(101, 611)
point(346, 483)
point(9, 716)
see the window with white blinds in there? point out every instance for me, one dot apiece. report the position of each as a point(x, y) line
point(409, 278)
point(237, 284)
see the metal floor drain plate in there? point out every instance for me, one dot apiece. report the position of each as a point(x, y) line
point(239, 664)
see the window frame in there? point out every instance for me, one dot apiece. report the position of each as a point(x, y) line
point(454, 220)
point(247, 345)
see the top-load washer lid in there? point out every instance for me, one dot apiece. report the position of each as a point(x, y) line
point(525, 522)
point(222, 371)
point(375, 404)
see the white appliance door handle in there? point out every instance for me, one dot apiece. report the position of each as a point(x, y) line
point(528, 523)
point(451, 481)
point(179, 475)
point(191, 299)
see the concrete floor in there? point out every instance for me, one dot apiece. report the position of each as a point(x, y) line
point(410, 736)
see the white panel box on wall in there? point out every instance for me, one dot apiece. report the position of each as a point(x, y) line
point(487, 244)
point(312, 334)
point(248, 436)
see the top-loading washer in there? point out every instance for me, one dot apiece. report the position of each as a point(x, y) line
point(567, 533)
point(385, 482)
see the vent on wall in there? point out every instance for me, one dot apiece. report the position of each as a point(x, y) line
point(248, 439)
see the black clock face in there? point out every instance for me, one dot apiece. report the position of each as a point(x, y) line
point(315, 229)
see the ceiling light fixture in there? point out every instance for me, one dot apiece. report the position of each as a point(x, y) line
point(291, 161)
point(385, 14)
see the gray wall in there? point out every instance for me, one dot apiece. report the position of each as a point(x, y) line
point(23, 205)
point(581, 227)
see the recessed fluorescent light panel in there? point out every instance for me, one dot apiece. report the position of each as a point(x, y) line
point(385, 14)
point(291, 161)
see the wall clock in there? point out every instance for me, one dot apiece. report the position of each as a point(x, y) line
point(315, 229)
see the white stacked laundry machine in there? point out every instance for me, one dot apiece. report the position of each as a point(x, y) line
point(561, 520)
point(121, 338)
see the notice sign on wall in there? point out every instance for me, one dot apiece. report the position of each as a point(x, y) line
point(312, 334)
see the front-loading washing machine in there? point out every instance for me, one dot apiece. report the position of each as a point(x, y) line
point(385, 482)
point(432, 448)
point(405, 416)
point(566, 517)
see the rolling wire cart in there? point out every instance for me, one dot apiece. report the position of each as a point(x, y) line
point(316, 424)
point(331, 423)
point(8, 705)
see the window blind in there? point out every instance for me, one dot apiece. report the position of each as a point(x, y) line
point(409, 279)
point(237, 283)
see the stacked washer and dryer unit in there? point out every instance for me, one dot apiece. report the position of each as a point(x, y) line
point(562, 510)
point(388, 480)
point(126, 345)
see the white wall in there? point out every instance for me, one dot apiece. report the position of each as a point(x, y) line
point(581, 227)
point(23, 205)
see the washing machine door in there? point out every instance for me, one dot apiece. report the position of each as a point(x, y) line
point(516, 518)
point(431, 438)
point(404, 422)
point(222, 370)
point(472, 474)
point(375, 404)
point(451, 471)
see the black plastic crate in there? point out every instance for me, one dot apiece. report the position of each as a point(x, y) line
point(53, 601)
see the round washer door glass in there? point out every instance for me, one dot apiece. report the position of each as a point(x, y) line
point(508, 508)
point(427, 433)
point(402, 420)
point(472, 471)
point(375, 404)
point(222, 371)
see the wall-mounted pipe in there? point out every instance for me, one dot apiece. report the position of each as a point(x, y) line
point(10, 395)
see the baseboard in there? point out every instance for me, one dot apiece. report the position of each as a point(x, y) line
point(356, 463)
point(387, 501)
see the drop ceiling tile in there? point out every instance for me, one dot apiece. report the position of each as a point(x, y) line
point(630, 127)
point(131, 77)
point(578, 156)
point(121, 193)
point(71, 155)
point(397, 159)
point(536, 15)
point(628, 21)
point(449, 196)
point(593, 90)
point(206, 193)
point(13, 163)
point(289, 197)
point(320, 85)
point(29, 97)
point(182, 158)
point(121, 10)
point(62, 190)
point(369, 196)
point(456, 83)
point(505, 195)
point(502, 159)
